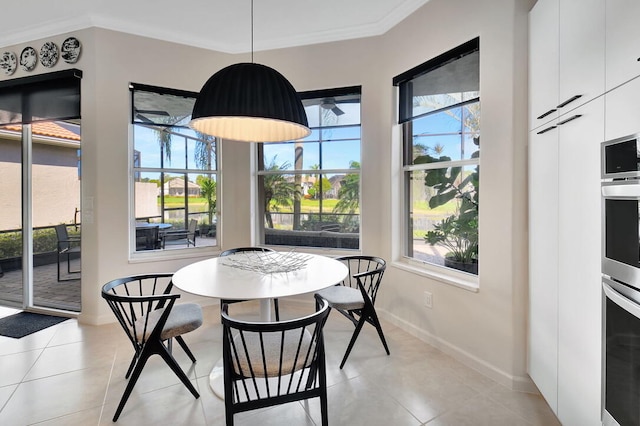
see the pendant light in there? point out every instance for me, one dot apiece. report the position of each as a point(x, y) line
point(250, 102)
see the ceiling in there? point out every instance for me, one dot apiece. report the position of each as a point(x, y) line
point(221, 25)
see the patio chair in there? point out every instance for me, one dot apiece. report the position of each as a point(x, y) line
point(272, 363)
point(181, 236)
point(356, 295)
point(148, 238)
point(146, 310)
point(249, 250)
point(67, 246)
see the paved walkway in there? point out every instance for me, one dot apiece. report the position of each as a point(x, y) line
point(47, 290)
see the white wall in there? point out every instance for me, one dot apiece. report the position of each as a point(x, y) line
point(486, 328)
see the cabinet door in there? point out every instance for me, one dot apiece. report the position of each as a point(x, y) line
point(623, 110)
point(543, 62)
point(579, 274)
point(543, 264)
point(622, 41)
point(582, 32)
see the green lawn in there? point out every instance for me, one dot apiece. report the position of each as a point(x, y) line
point(311, 206)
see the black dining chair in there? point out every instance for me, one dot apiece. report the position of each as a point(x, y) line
point(238, 250)
point(356, 295)
point(272, 363)
point(146, 310)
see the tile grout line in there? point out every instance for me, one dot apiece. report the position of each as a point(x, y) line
point(106, 390)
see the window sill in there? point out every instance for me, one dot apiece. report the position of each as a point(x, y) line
point(444, 275)
point(323, 251)
point(164, 255)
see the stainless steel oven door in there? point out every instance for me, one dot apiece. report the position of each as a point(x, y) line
point(621, 231)
point(621, 354)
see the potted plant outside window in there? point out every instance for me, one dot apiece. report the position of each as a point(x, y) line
point(459, 231)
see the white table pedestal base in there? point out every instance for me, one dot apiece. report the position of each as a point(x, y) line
point(216, 379)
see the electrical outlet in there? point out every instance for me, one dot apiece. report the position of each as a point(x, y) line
point(428, 299)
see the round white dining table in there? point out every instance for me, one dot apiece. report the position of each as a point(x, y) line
point(216, 277)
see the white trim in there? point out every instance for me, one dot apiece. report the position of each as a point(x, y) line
point(443, 164)
point(311, 172)
point(516, 383)
point(442, 274)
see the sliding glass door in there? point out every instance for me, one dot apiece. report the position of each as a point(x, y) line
point(40, 245)
point(11, 246)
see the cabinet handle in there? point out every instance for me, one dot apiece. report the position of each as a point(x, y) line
point(546, 130)
point(560, 123)
point(568, 101)
point(551, 111)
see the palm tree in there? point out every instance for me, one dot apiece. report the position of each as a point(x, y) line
point(315, 177)
point(204, 156)
point(277, 191)
point(349, 197)
point(208, 189)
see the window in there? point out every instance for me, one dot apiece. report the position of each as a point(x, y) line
point(309, 190)
point(440, 118)
point(175, 173)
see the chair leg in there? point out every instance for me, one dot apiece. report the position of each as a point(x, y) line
point(173, 364)
point(376, 323)
point(69, 271)
point(131, 365)
point(184, 346)
point(229, 417)
point(69, 265)
point(142, 360)
point(353, 340)
point(324, 412)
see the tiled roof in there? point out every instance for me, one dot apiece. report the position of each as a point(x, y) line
point(47, 128)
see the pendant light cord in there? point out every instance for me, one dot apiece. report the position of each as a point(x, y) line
point(251, 31)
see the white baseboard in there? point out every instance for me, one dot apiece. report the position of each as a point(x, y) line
point(517, 383)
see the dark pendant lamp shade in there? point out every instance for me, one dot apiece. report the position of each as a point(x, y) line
point(250, 102)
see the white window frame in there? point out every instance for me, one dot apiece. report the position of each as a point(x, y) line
point(259, 223)
point(145, 255)
point(400, 216)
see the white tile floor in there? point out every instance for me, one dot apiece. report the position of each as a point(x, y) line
point(73, 374)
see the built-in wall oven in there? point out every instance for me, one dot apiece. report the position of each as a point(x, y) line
point(621, 280)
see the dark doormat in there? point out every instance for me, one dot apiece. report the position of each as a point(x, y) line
point(24, 323)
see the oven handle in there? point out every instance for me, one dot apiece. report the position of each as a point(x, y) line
point(620, 300)
point(628, 189)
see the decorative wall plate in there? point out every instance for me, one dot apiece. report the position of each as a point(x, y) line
point(8, 62)
point(49, 54)
point(28, 58)
point(70, 50)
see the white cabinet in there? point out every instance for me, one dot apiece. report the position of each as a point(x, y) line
point(564, 263)
point(543, 264)
point(582, 57)
point(623, 110)
point(566, 57)
point(579, 254)
point(622, 41)
point(543, 62)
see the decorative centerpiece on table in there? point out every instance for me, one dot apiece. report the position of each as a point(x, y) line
point(267, 262)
